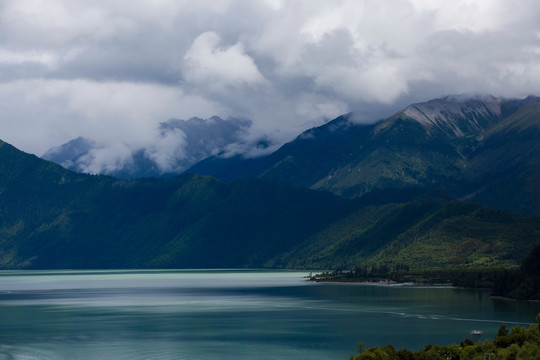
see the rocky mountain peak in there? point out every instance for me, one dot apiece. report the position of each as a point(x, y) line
point(457, 115)
point(178, 145)
point(67, 154)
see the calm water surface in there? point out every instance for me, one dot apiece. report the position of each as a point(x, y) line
point(92, 315)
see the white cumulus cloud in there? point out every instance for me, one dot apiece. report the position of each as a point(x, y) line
point(209, 63)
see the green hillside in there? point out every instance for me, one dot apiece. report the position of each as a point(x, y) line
point(430, 232)
point(402, 154)
point(506, 163)
point(54, 218)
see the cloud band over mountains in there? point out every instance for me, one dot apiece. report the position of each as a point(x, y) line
point(112, 71)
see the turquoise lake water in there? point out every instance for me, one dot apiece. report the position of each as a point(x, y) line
point(224, 314)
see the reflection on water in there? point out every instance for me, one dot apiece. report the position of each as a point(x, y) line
point(229, 315)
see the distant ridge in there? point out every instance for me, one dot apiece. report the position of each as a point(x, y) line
point(69, 154)
point(180, 144)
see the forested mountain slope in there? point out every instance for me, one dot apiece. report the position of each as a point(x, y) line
point(54, 218)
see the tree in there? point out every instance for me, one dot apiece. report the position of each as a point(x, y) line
point(531, 264)
point(503, 331)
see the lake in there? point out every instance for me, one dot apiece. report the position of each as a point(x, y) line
point(225, 314)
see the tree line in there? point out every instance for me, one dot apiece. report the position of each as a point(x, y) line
point(522, 283)
point(517, 344)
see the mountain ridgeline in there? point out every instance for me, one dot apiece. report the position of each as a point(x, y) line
point(391, 200)
point(482, 149)
point(178, 145)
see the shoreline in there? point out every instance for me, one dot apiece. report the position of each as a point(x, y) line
point(381, 282)
point(391, 283)
point(505, 298)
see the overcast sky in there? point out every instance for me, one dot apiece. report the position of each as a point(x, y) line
point(112, 70)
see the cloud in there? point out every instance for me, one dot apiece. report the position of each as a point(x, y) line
point(39, 113)
point(105, 159)
point(167, 150)
point(206, 62)
point(113, 72)
point(48, 59)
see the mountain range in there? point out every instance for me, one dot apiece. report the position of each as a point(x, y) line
point(482, 149)
point(450, 183)
point(179, 145)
